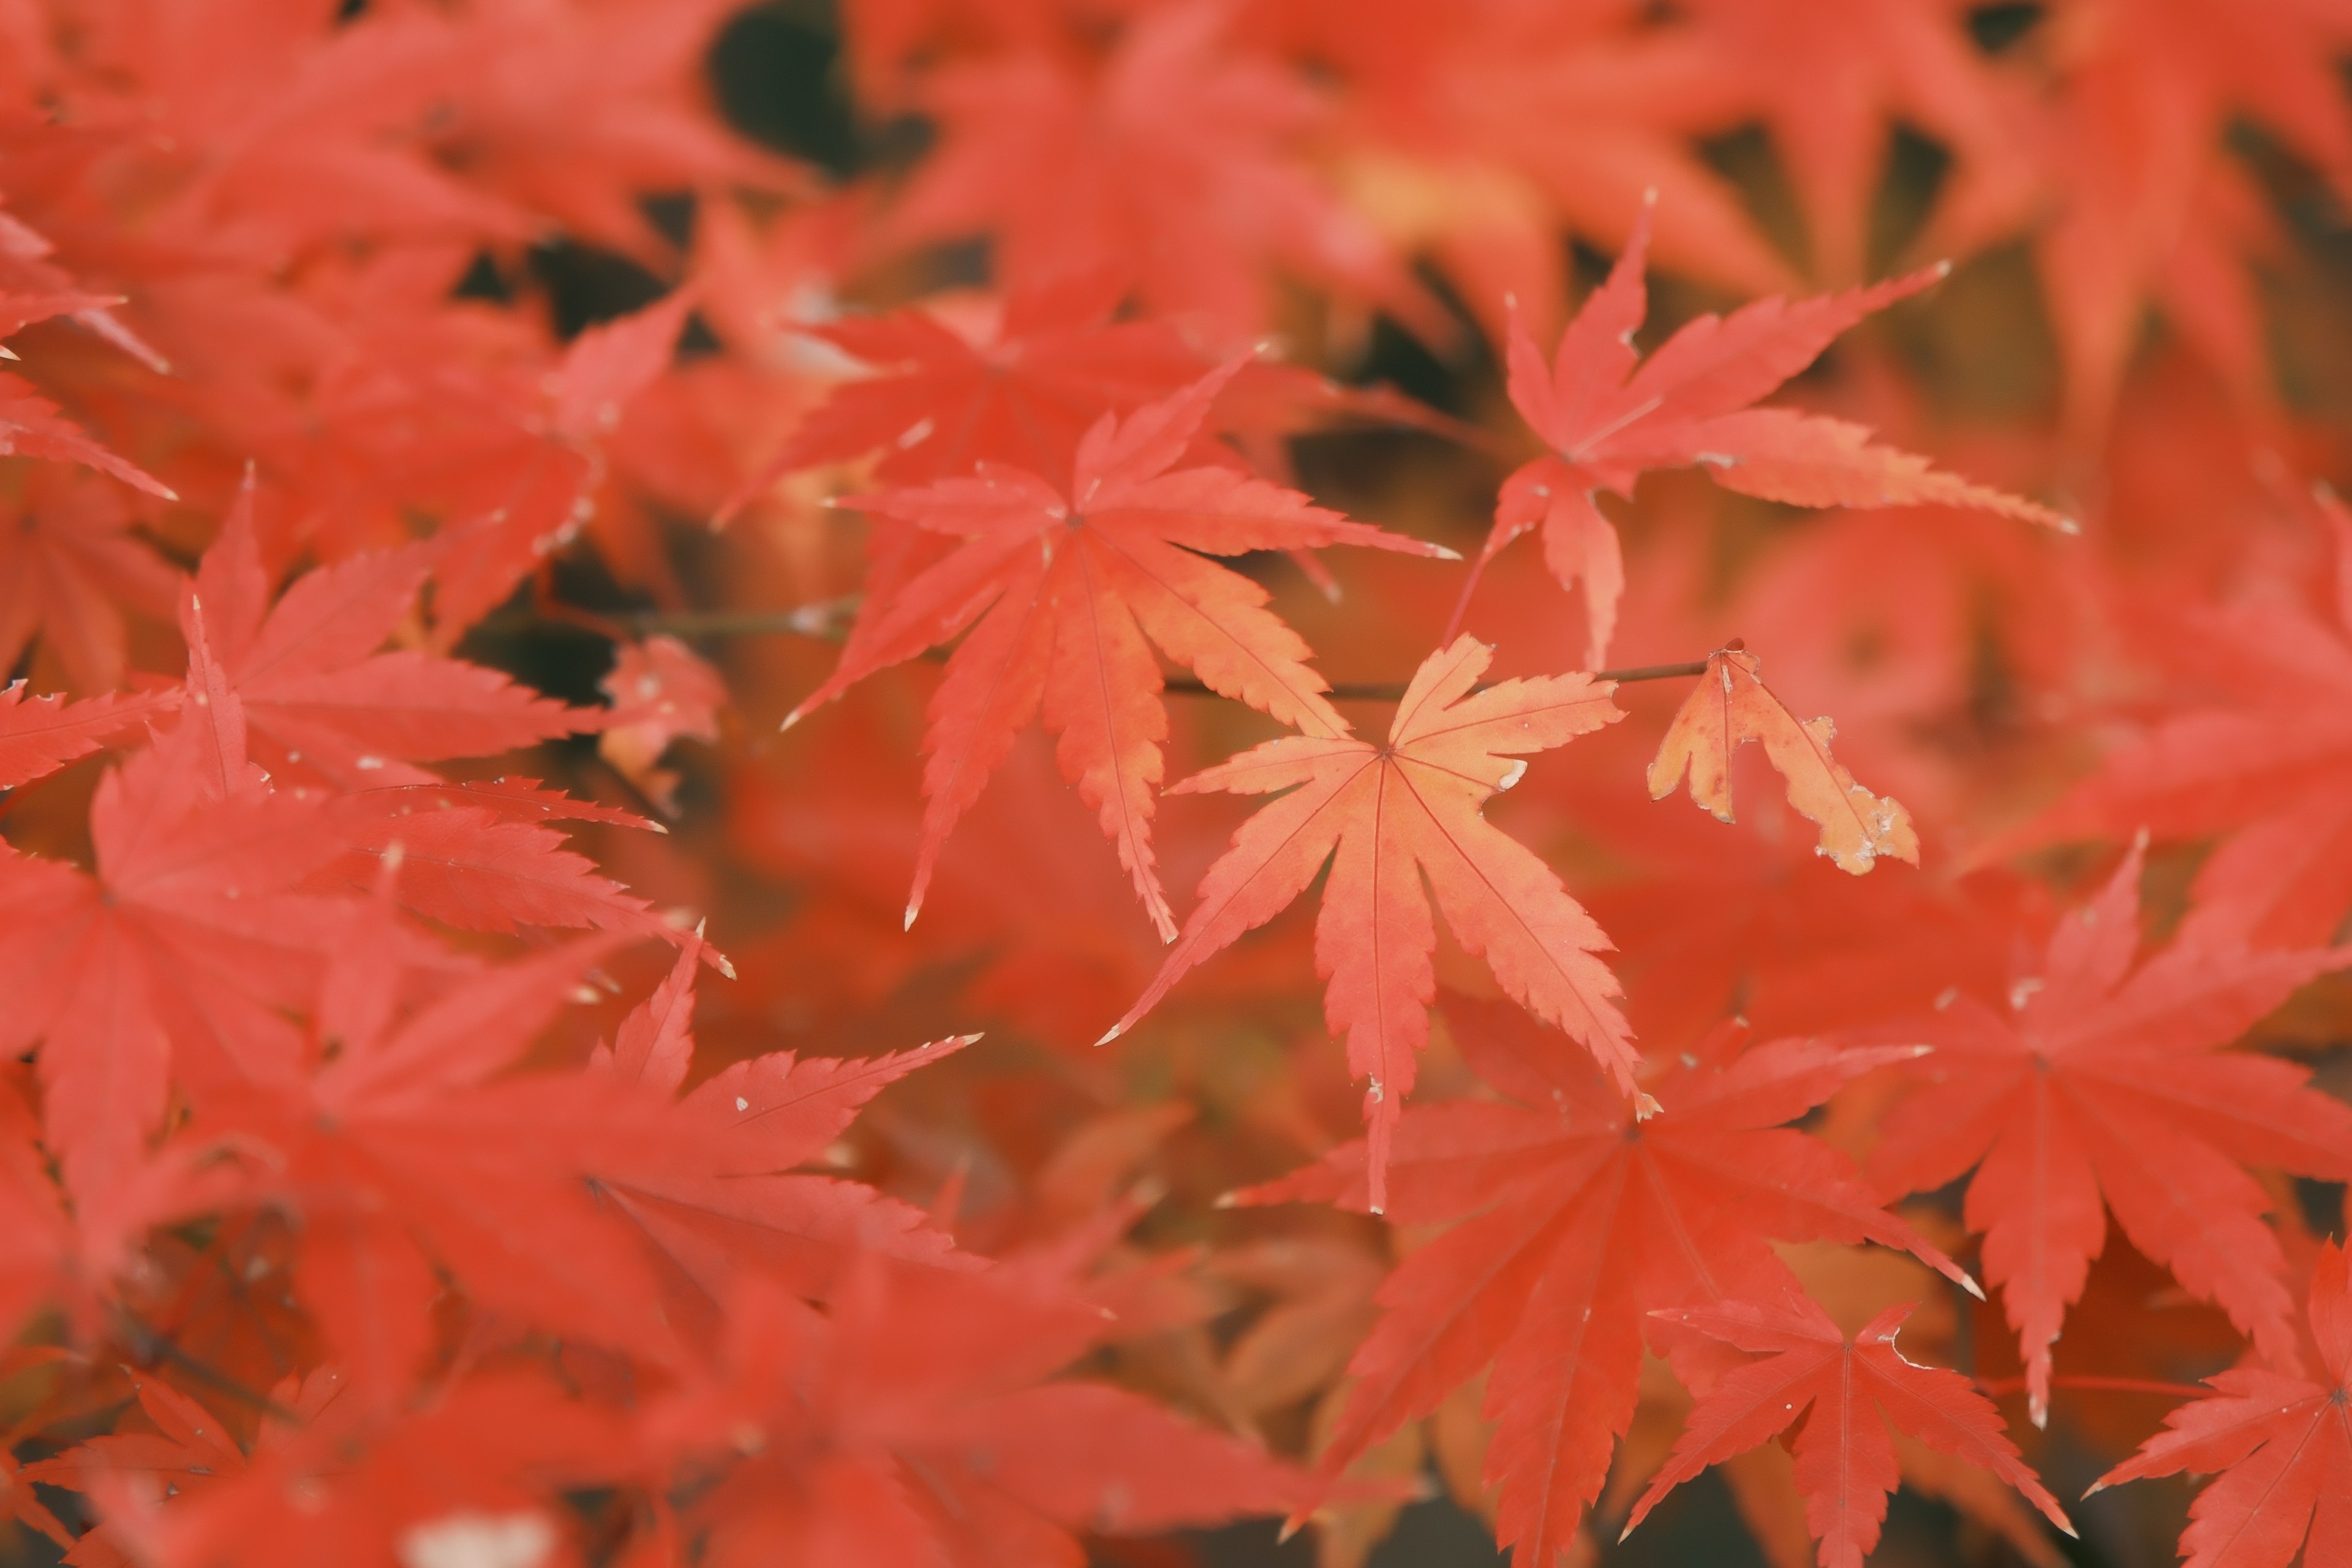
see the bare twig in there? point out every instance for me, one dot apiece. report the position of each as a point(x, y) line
point(148, 1347)
point(1394, 691)
point(827, 620)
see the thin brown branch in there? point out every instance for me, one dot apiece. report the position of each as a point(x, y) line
point(1394, 691)
point(827, 620)
point(147, 1347)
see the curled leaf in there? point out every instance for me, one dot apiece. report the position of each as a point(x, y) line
point(1731, 705)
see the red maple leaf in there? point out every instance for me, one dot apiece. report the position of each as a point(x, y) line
point(32, 288)
point(1061, 588)
point(2266, 763)
point(31, 426)
point(531, 489)
point(1753, 919)
point(576, 111)
point(398, 1142)
point(714, 1180)
point(1478, 132)
point(660, 691)
point(481, 861)
point(2279, 1440)
point(1054, 364)
point(36, 1236)
point(2140, 200)
point(2103, 1084)
point(41, 734)
point(189, 938)
point(324, 701)
point(69, 567)
point(941, 401)
point(25, 1506)
point(1842, 1393)
point(1570, 1220)
point(1830, 81)
point(915, 1423)
point(1393, 815)
point(1611, 417)
point(74, 1257)
point(190, 1450)
point(19, 309)
point(1170, 162)
point(267, 141)
point(471, 1476)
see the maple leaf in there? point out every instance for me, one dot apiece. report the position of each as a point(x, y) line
point(1051, 363)
point(31, 426)
point(1846, 1393)
point(75, 1260)
point(541, 486)
point(1571, 1218)
point(1169, 162)
point(69, 567)
point(1322, 1290)
point(2137, 200)
point(915, 1423)
point(189, 1450)
point(1752, 919)
point(41, 734)
point(1391, 816)
point(322, 699)
point(1609, 416)
point(2100, 1082)
point(327, 707)
point(1830, 82)
point(190, 937)
point(1477, 132)
point(32, 288)
point(36, 1236)
point(2277, 1437)
point(2267, 767)
point(19, 310)
point(473, 1476)
point(302, 133)
point(576, 111)
point(491, 866)
point(941, 401)
point(389, 1140)
point(25, 1507)
point(659, 691)
point(1853, 1285)
point(714, 1181)
point(1061, 589)
point(1731, 706)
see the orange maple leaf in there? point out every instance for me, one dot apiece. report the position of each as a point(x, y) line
point(1061, 586)
point(1731, 705)
point(1393, 815)
point(1609, 416)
